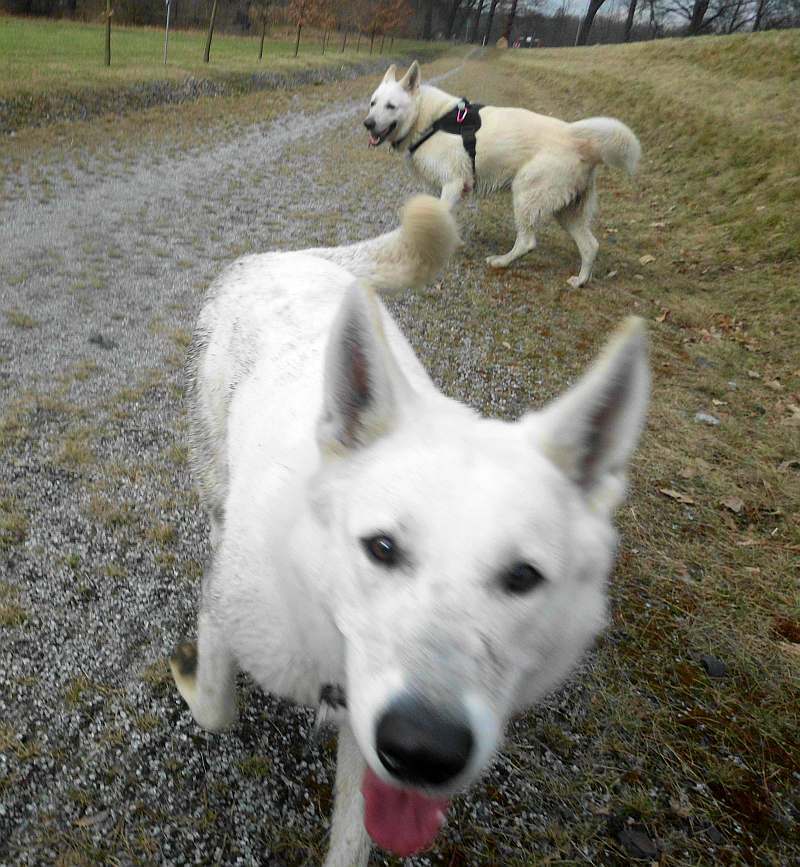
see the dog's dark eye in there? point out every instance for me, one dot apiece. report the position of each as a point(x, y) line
point(521, 578)
point(390, 106)
point(372, 104)
point(381, 549)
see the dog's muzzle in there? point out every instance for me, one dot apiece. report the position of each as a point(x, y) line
point(376, 139)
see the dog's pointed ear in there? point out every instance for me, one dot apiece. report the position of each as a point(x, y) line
point(412, 79)
point(362, 383)
point(391, 74)
point(591, 431)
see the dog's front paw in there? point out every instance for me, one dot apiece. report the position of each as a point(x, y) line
point(183, 665)
point(496, 261)
point(576, 282)
point(213, 709)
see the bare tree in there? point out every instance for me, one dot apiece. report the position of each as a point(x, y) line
point(109, 13)
point(298, 13)
point(427, 21)
point(760, 9)
point(259, 11)
point(586, 24)
point(488, 34)
point(629, 19)
point(477, 25)
point(210, 35)
point(699, 10)
point(512, 14)
point(451, 9)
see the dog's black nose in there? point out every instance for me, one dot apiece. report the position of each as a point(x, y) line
point(421, 745)
point(369, 124)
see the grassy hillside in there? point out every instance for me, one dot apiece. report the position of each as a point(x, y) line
point(708, 249)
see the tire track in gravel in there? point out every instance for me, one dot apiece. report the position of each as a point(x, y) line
point(101, 250)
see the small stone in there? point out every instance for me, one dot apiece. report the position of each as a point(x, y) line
point(97, 339)
point(637, 844)
point(714, 667)
point(706, 418)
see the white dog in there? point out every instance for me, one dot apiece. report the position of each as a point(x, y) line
point(380, 549)
point(549, 164)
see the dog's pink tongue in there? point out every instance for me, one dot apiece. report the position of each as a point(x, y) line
point(374, 140)
point(398, 820)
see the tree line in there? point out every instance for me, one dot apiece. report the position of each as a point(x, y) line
point(477, 21)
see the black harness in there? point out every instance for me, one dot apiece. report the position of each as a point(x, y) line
point(463, 120)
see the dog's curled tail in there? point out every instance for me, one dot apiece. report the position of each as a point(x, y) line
point(618, 146)
point(408, 257)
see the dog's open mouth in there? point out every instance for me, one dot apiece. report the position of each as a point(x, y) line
point(376, 139)
point(401, 821)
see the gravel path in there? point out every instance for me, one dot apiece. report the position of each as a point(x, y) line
point(103, 265)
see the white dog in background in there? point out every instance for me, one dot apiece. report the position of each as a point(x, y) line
point(549, 164)
point(381, 549)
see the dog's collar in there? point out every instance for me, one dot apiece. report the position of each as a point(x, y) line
point(463, 119)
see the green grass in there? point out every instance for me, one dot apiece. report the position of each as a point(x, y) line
point(45, 56)
point(20, 320)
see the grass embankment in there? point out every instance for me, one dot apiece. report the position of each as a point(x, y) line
point(54, 69)
point(707, 249)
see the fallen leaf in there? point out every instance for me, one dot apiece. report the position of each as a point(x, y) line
point(791, 464)
point(506, 344)
point(719, 402)
point(774, 384)
point(659, 224)
point(611, 274)
point(734, 503)
point(683, 811)
point(677, 495)
point(663, 315)
point(646, 259)
point(688, 472)
point(789, 647)
point(754, 374)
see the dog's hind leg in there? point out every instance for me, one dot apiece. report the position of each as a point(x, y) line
point(524, 220)
point(543, 186)
point(350, 843)
point(576, 219)
point(205, 674)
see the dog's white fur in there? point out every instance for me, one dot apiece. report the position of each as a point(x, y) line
point(549, 164)
point(316, 427)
